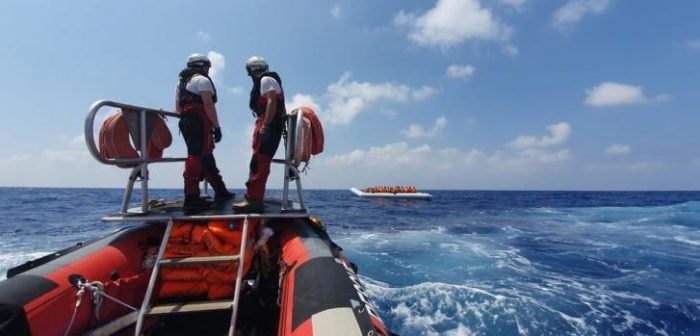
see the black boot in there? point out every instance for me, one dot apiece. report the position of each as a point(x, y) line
point(195, 204)
point(249, 206)
point(223, 196)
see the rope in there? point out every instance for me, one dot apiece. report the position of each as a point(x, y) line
point(78, 301)
point(96, 289)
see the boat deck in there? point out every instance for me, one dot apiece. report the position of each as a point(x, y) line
point(166, 210)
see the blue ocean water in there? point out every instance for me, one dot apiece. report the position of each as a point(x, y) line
point(467, 262)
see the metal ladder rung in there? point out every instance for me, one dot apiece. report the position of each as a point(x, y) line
point(188, 307)
point(198, 260)
point(115, 325)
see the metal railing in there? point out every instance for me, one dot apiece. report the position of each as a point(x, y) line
point(139, 165)
point(292, 158)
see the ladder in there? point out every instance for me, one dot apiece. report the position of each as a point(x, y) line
point(189, 307)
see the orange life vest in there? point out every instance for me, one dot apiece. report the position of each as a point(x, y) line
point(218, 237)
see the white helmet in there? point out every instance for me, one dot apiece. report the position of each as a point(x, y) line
point(254, 64)
point(198, 61)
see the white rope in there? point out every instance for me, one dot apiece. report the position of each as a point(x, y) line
point(96, 289)
point(78, 301)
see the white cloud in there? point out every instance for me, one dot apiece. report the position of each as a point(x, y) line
point(204, 36)
point(545, 156)
point(348, 98)
point(455, 168)
point(559, 134)
point(416, 131)
point(79, 140)
point(396, 154)
point(336, 12)
point(644, 167)
point(460, 71)
point(299, 99)
point(452, 22)
point(573, 12)
point(539, 149)
point(218, 64)
point(517, 4)
point(693, 44)
point(540, 160)
point(618, 149)
point(423, 93)
point(613, 94)
point(511, 50)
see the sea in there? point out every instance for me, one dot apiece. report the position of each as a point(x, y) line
point(465, 262)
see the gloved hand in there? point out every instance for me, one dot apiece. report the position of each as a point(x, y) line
point(217, 134)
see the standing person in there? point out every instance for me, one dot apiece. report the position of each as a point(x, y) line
point(267, 104)
point(199, 125)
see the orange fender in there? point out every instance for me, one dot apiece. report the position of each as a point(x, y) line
point(312, 139)
point(115, 140)
point(316, 131)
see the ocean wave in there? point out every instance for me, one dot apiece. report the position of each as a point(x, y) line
point(435, 308)
point(13, 259)
point(686, 240)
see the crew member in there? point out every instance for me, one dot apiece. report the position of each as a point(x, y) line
point(199, 125)
point(267, 104)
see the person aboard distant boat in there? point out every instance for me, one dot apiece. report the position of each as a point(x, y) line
point(195, 101)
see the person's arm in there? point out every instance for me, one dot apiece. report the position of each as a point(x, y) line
point(271, 107)
point(210, 108)
point(269, 88)
point(178, 109)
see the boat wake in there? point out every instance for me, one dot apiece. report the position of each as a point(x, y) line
point(434, 308)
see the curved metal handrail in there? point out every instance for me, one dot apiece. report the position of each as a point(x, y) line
point(296, 153)
point(90, 135)
point(139, 165)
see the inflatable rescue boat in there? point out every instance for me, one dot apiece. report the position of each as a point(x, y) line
point(416, 195)
point(210, 273)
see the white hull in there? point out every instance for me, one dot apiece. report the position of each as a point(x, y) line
point(361, 193)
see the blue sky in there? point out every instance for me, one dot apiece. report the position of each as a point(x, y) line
point(448, 94)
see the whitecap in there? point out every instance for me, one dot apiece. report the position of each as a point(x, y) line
point(687, 241)
point(13, 259)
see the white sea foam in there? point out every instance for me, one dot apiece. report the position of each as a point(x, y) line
point(685, 240)
point(633, 296)
point(13, 259)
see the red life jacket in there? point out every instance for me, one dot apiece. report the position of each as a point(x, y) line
point(258, 102)
point(186, 97)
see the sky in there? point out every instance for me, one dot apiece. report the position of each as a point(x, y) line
point(446, 94)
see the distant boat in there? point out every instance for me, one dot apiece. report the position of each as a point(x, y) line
point(420, 195)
